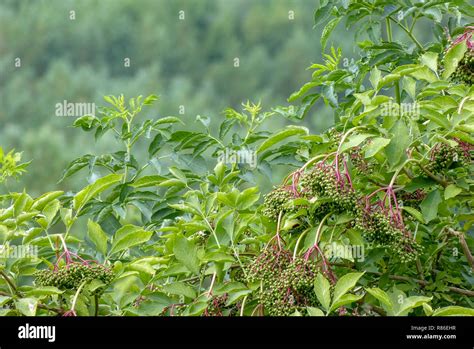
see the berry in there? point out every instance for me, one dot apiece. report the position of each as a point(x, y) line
point(380, 231)
point(286, 283)
point(278, 200)
point(72, 275)
point(444, 156)
point(464, 72)
point(321, 183)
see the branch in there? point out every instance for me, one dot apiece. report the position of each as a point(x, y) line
point(433, 176)
point(9, 282)
point(465, 247)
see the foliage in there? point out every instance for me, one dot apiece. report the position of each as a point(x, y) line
point(373, 218)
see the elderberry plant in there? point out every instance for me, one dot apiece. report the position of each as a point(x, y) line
point(370, 218)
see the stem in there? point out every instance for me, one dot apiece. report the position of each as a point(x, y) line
point(320, 228)
point(243, 306)
point(390, 39)
point(76, 296)
point(96, 301)
point(212, 230)
point(298, 242)
point(465, 247)
point(409, 33)
point(433, 176)
point(209, 293)
point(11, 285)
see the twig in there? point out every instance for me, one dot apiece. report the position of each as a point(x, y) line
point(465, 247)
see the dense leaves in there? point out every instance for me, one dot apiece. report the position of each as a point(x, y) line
point(374, 216)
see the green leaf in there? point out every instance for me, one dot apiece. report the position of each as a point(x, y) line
point(375, 146)
point(128, 236)
point(354, 140)
point(454, 310)
point(41, 202)
point(322, 290)
point(278, 137)
point(452, 58)
point(148, 181)
point(82, 197)
point(328, 29)
point(409, 85)
point(451, 191)
point(429, 206)
point(97, 236)
point(314, 311)
point(375, 76)
point(248, 197)
point(43, 291)
point(185, 252)
point(345, 283)
point(415, 213)
point(345, 299)
point(381, 296)
point(430, 59)
point(150, 99)
point(399, 143)
point(322, 13)
point(388, 79)
point(411, 303)
point(27, 306)
point(180, 289)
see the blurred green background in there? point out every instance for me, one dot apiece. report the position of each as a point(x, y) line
point(186, 62)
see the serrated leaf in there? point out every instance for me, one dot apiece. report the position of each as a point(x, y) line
point(452, 58)
point(314, 311)
point(454, 310)
point(185, 252)
point(328, 29)
point(345, 283)
point(451, 191)
point(97, 236)
point(27, 306)
point(354, 140)
point(411, 303)
point(375, 76)
point(128, 236)
point(280, 136)
point(41, 202)
point(82, 197)
point(344, 300)
point(429, 205)
point(322, 290)
point(415, 213)
point(180, 289)
point(43, 291)
point(381, 296)
point(399, 143)
point(375, 145)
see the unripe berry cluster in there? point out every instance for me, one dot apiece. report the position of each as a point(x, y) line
point(278, 200)
point(321, 183)
point(72, 275)
point(444, 157)
point(216, 305)
point(286, 283)
point(414, 198)
point(381, 232)
point(360, 163)
point(464, 72)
